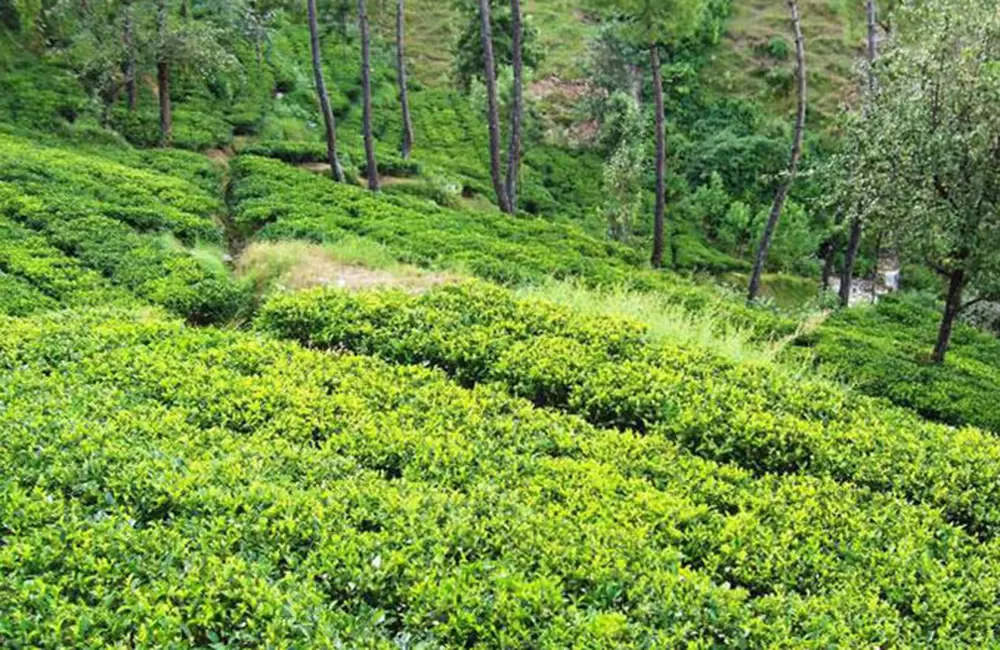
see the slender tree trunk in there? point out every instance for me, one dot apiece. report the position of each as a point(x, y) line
point(166, 109)
point(952, 308)
point(517, 109)
point(336, 171)
point(850, 258)
point(131, 67)
point(492, 106)
point(406, 147)
point(786, 184)
point(661, 158)
point(366, 89)
point(847, 276)
point(163, 77)
point(870, 12)
point(827, 251)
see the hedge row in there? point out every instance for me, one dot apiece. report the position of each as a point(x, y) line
point(141, 264)
point(762, 419)
point(41, 277)
point(285, 203)
point(884, 351)
point(315, 152)
point(145, 200)
point(177, 487)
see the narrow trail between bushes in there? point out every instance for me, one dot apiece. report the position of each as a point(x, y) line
point(236, 243)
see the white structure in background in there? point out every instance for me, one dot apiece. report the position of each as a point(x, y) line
point(865, 291)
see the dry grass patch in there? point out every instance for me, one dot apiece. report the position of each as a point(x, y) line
point(352, 264)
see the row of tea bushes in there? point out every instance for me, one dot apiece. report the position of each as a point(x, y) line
point(92, 213)
point(884, 351)
point(179, 487)
point(753, 415)
point(39, 277)
point(144, 199)
point(277, 202)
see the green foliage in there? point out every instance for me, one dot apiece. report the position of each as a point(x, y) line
point(623, 171)
point(315, 152)
point(603, 369)
point(918, 164)
point(468, 58)
point(107, 217)
point(667, 22)
point(219, 488)
point(882, 351)
point(279, 202)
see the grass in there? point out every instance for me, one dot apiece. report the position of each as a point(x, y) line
point(351, 263)
point(707, 329)
point(433, 26)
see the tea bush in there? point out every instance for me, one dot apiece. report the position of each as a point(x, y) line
point(27, 259)
point(884, 351)
point(763, 419)
point(109, 218)
point(179, 487)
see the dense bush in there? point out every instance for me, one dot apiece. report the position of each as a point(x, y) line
point(315, 152)
point(765, 420)
point(220, 489)
point(110, 219)
point(27, 259)
point(884, 351)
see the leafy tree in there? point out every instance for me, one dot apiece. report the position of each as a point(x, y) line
point(930, 149)
point(786, 184)
point(517, 104)
point(469, 54)
point(194, 44)
point(656, 24)
point(493, 110)
point(857, 223)
point(623, 171)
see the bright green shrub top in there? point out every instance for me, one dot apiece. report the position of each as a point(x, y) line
point(753, 415)
point(54, 279)
point(884, 351)
point(84, 216)
point(177, 487)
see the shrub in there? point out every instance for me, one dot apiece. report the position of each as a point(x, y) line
point(283, 203)
point(883, 351)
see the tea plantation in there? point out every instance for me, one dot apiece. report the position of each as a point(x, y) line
point(173, 486)
point(243, 405)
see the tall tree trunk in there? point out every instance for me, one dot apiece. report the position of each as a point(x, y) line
point(406, 146)
point(517, 109)
point(827, 251)
point(847, 276)
point(131, 67)
point(850, 258)
point(163, 76)
point(490, 72)
point(166, 109)
point(661, 158)
point(786, 184)
point(366, 91)
point(336, 171)
point(952, 308)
